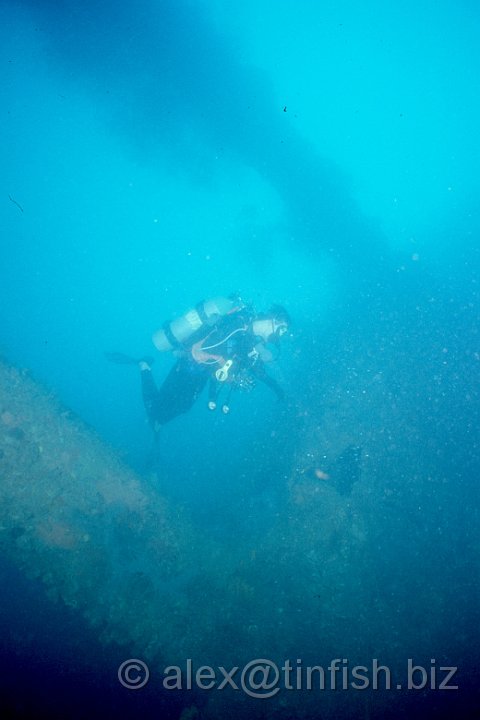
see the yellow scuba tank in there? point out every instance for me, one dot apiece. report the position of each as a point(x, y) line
point(175, 333)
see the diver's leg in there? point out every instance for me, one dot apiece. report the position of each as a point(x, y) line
point(149, 393)
point(180, 390)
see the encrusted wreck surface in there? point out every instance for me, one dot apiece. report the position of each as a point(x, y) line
point(73, 516)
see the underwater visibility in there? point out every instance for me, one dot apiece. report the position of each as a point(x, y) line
point(239, 360)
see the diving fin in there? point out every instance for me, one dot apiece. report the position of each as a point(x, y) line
point(121, 359)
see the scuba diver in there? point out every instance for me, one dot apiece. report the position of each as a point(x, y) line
point(222, 343)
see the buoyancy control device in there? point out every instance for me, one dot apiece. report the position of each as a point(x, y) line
point(175, 334)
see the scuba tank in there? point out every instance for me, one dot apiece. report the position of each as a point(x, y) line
point(175, 334)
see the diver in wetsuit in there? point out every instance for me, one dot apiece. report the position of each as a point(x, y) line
point(228, 355)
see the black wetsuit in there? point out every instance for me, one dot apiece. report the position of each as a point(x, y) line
point(231, 339)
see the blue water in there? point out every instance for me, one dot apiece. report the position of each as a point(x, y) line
point(323, 156)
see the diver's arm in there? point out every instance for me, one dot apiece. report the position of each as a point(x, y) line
point(262, 375)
